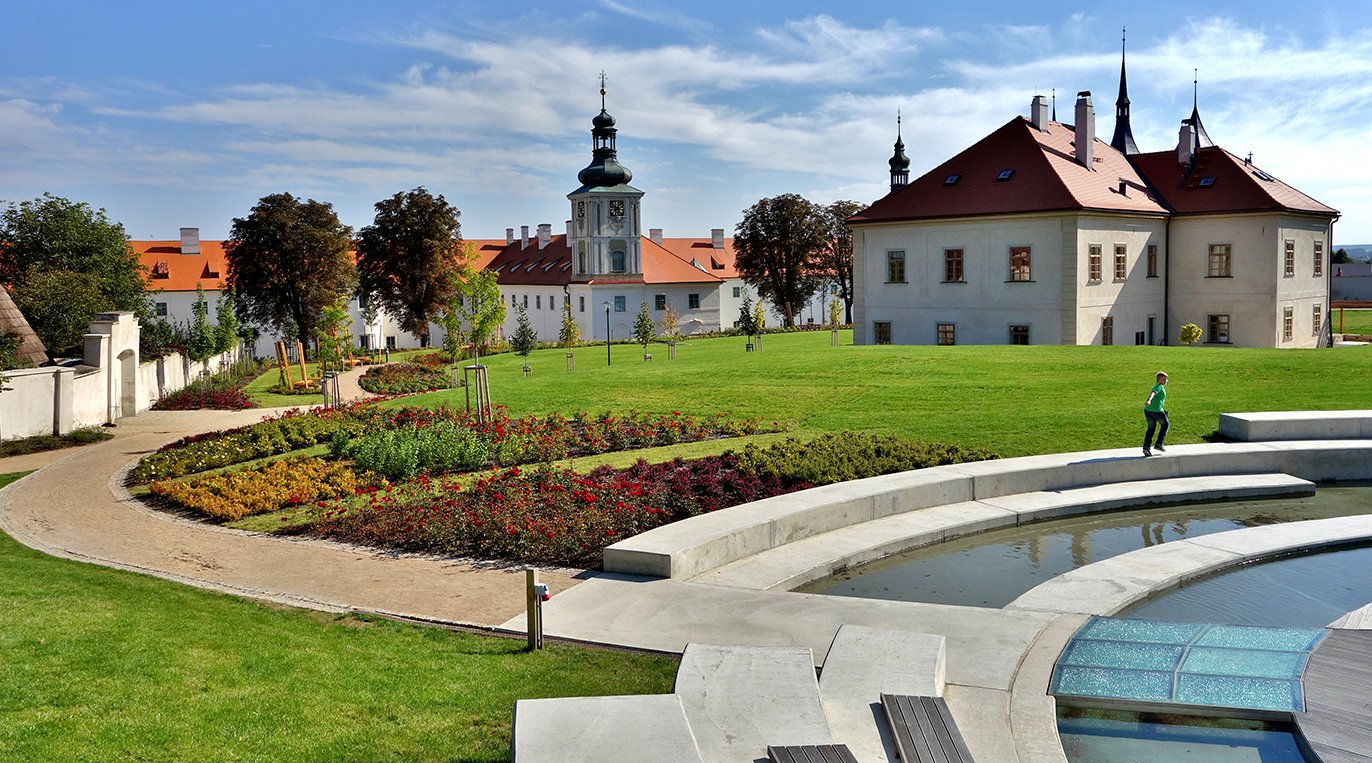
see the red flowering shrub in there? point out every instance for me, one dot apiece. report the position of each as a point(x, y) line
point(213, 395)
point(547, 515)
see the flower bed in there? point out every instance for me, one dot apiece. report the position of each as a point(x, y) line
point(845, 456)
point(405, 378)
point(282, 483)
point(547, 515)
point(214, 393)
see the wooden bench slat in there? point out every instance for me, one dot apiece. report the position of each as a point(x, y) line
point(924, 730)
point(810, 753)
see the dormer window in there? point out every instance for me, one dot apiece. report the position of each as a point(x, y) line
point(952, 179)
point(161, 270)
point(1004, 175)
point(1263, 176)
point(1206, 182)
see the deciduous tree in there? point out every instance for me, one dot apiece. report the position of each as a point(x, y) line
point(288, 260)
point(49, 241)
point(202, 340)
point(570, 333)
point(644, 330)
point(835, 261)
point(775, 245)
point(226, 322)
point(407, 257)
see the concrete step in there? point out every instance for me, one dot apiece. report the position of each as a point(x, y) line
point(862, 664)
point(625, 729)
point(739, 699)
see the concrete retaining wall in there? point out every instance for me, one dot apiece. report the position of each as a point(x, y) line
point(694, 546)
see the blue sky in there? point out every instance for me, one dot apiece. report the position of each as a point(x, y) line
point(171, 114)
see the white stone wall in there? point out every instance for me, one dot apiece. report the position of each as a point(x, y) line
point(1129, 302)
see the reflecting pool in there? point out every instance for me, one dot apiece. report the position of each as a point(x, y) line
point(1112, 736)
point(993, 568)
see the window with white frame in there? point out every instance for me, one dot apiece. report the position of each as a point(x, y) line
point(1093, 262)
point(1121, 262)
point(1319, 258)
point(1288, 321)
point(1316, 319)
point(895, 267)
point(952, 266)
point(1289, 259)
point(161, 309)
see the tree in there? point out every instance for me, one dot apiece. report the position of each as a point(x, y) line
point(644, 329)
point(671, 322)
point(288, 260)
point(835, 261)
point(775, 246)
point(333, 338)
point(369, 313)
point(475, 310)
point(835, 313)
point(570, 333)
point(759, 322)
point(1341, 257)
point(59, 305)
point(1190, 334)
point(525, 339)
point(47, 241)
point(407, 257)
point(747, 322)
point(226, 322)
point(200, 346)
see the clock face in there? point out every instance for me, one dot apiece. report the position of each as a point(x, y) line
point(617, 208)
point(580, 209)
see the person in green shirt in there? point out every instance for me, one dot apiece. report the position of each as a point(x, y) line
point(1155, 411)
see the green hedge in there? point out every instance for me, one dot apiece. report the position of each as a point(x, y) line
point(832, 458)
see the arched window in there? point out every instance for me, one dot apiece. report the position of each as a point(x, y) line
point(581, 258)
point(617, 261)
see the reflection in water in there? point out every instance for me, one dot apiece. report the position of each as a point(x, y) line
point(1111, 736)
point(993, 568)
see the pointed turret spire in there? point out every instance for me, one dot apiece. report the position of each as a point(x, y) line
point(1123, 140)
point(604, 171)
point(1055, 105)
point(900, 163)
point(1202, 140)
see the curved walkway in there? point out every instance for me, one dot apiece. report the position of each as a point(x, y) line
point(75, 507)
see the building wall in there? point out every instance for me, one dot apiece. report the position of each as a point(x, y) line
point(1257, 291)
point(1128, 302)
point(986, 303)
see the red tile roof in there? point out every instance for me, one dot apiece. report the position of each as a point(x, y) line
point(1221, 182)
point(720, 262)
point(1045, 177)
point(170, 270)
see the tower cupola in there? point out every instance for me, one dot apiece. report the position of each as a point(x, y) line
point(604, 171)
point(1123, 139)
point(900, 163)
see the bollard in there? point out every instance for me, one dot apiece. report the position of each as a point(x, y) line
point(534, 595)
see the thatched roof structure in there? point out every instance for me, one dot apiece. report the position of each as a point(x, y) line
point(30, 351)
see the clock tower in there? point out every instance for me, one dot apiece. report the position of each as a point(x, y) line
point(606, 223)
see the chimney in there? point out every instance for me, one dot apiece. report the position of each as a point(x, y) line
point(717, 238)
point(1124, 186)
point(1038, 112)
point(545, 234)
point(567, 229)
point(1186, 142)
point(1086, 129)
point(509, 236)
point(190, 241)
point(523, 237)
point(655, 235)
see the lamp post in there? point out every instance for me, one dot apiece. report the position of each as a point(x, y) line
point(607, 333)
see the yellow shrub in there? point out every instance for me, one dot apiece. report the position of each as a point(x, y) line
point(280, 484)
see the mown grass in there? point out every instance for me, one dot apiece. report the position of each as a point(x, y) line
point(1013, 400)
point(101, 664)
point(1353, 322)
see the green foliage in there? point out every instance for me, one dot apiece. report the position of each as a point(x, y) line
point(402, 453)
point(333, 338)
point(835, 260)
point(59, 306)
point(570, 333)
point(235, 446)
point(1340, 257)
point(845, 456)
point(158, 338)
point(25, 445)
point(1190, 333)
point(226, 323)
point(747, 321)
point(776, 243)
point(9, 349)
point(405, 378)
point(525, 339)
point(50, 242)
point(644, 330)
point(835, 313)
point(408, 257)
point(287, 261)
point(476, 309)
point(202, 340)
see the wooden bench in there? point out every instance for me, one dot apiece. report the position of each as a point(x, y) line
point(924, 730)
point(810, 753)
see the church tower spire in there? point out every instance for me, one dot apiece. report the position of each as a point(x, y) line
point(900, 163)
point(1202, 140)
point(605, 234)
point(1123, 140)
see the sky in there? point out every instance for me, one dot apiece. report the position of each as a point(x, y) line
point(171, 114)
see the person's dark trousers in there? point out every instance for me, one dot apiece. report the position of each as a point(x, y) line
point(1156, 420)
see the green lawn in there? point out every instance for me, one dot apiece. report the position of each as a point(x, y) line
point(100, 664)
point(1354, 322)
point(1014, 400)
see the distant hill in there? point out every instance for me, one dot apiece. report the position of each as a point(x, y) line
point(1356, 251)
